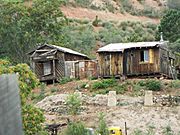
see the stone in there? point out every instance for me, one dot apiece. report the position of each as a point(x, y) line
point(112, 100)
point(148, 99)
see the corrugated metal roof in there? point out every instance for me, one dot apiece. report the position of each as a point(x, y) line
point(67, 50)
point(120, 47)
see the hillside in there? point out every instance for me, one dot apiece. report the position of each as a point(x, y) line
point(109, 21)
point(116, 10)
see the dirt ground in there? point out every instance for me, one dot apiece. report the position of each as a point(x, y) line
point(129, 109)
point(89, 14)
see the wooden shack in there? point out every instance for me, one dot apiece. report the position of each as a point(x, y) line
point(50, 62)
point(136, 59)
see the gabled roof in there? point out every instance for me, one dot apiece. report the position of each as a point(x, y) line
point(62, 49)
point(120, 47)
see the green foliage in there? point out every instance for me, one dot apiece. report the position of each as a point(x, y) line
point(170, 25)
point(32, 117)
point(80, 38)
point(83, 3)
point(96, 21)
point(168, 130)
point(42, 87)
point(174, 4)
point(54, 89)
point(65, 80)
point(120, 89)
point(175, 84)
point(22, 27)
point(105, 83)
point(154, 85)
point(73, 103)
point(102, 128)
point(127, 32)
point(76, 128)
point(137, 90)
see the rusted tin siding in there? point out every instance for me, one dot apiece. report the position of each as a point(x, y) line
point(86, 69)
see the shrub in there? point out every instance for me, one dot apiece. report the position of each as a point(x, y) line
point(54, 89)
point(168, 130)
point(175, 84)
point(76, 129)
point(120, 89)
point(83, 3)
point(32, 117)
point(73, 103)
point(105, 91)
point(142, 83)
point(102, 128)
point(104, 84)
point(42, 87)
point(137, 90)
point(99, 85)
point(65, 80)
point(154, 85)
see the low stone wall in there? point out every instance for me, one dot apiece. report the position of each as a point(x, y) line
point(167, 100)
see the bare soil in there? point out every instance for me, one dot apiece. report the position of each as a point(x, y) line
point(131, 110)
point(89, 14)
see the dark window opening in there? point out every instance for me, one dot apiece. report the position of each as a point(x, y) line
point(144, 56)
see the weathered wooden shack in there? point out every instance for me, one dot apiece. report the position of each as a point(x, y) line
point(136, 59)
point(51, 62)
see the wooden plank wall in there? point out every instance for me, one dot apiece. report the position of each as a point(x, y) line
point(164, 61)
point(135, 66)
point(72, 57)
point(110, 64)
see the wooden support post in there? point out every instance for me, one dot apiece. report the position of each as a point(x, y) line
point(125, 129)
point(54, 71)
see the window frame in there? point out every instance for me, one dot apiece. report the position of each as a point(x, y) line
point(47, 68)
point(144, 56)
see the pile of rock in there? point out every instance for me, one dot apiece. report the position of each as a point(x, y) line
point(167, 100)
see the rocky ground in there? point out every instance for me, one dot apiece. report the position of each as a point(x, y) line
point(129, 109)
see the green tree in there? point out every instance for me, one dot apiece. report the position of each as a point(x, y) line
point(32, 117)
point(169, 25)
point(22, 27)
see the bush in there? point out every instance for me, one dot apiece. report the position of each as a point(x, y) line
point(54, 89)
point(76, 129)
point(138, 90)
point(104, 84)
point(175, 84)
point(154, 85)
point(102, 128)
point(32, 117)
point(65, 80)
point(120, 89)
point(73, 103)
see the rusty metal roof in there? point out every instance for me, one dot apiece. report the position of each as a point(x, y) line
point(120, 47)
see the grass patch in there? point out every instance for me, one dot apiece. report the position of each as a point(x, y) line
point(65, 80)
point(175, 84)
point(154, 85)
point(105, 83)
